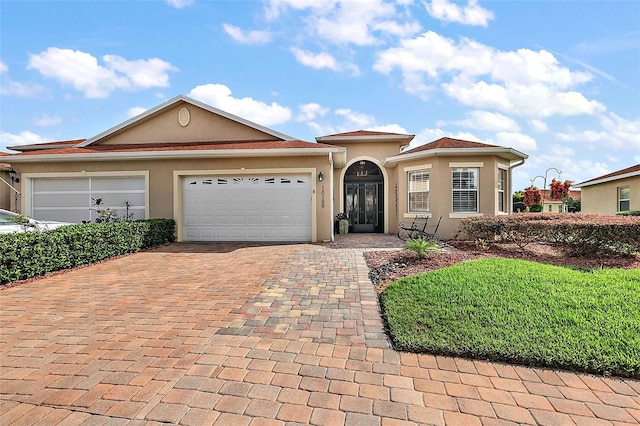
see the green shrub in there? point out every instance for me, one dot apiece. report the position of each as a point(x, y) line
point(421, 246)
point(629, 213)
point(580, 234)
point(30, 254)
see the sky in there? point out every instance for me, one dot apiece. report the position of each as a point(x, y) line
point(556, 80)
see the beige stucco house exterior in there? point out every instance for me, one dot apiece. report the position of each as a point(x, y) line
point(6, 190)
point(613, 192)
point(224, 178)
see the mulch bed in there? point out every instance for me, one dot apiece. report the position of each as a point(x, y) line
point(386, 266)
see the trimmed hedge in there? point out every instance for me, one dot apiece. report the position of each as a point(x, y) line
point(30, 254)
point(581, 234)
point(629, 213)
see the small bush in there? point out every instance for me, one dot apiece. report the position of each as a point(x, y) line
point(421, 246)
point(30, 254)
point(580, 234)
point(629, 213)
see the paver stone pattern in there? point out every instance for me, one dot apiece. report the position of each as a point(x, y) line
point(217, 334)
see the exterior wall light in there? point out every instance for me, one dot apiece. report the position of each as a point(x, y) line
point(320, 176)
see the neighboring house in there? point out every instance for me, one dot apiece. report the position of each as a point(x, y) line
point(224, 178)
point(558, 206)
point(5, 183)
point(613, 192)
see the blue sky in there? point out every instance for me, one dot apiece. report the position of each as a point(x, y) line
point(557, 80)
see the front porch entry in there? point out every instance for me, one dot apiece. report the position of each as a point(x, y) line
point(364, 197)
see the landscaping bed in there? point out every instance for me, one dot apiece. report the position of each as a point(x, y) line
point(383, 271)
point(533, 306)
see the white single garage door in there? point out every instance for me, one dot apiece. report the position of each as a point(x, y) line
point(247, 208)
point(72, 199)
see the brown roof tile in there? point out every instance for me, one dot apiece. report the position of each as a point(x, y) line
point(364, 133)
point(194, 146)
point(445, 143)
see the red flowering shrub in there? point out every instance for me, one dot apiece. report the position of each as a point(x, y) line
point(532, 196)
point(580, 234)
point(560, 190)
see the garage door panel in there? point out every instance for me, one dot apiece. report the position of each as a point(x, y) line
point(257, 208)
point(70, 199)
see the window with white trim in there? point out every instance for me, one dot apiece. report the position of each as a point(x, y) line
point(418, 191)
point(502, 176)
point(624, 199)
point(465, 189)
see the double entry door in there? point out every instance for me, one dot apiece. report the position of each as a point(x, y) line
point(362, 204)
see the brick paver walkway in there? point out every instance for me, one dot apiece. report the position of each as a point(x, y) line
point(200, 334)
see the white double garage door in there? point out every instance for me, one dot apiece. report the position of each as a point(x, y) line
point(247, 208)
point(215, 208)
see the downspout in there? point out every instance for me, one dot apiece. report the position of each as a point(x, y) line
point(331, 195)
point(511, 167)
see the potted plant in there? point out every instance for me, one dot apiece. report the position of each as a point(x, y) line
point(343, 223)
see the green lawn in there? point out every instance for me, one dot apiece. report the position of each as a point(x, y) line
point(522, 312)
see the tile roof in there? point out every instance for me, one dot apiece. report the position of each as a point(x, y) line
point(546, 194)
point(447, 143)
point(631, 169)
point(46, 145)
point(190, 146)
point(363, 133)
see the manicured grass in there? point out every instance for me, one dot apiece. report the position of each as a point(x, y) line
point(522, 312)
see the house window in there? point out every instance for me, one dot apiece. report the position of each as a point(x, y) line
point(624, 201)
point(550, 207)
point(419, 191)
point(502, 174)
point(465, 189)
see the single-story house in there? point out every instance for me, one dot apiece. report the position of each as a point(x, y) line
point(6, 190)
point(558, 206)
point(613, 192)
point(224, 178)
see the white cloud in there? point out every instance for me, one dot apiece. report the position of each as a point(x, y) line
point(389, 128)
point(340, 22)
point(522, 82)
point(319, 60)
point(82, 71)
point(311, 111)
point(219, 96)
point(471, 14)
point(538, 125)
point(9, 87)
point(358, 119)
point(322, 60)
point(45, 120)
point(23, 138)
point(616, 132)
point(516, 140)
point(244, 37)
point(134, 111)
point(484, 120)
point(179, 4)
point(574, 169)
point(430, 134)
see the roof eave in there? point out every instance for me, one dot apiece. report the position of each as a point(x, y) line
point(377, 138)
point(150, 155)
point(513, 154)
point(608, 179)
point(173, 101)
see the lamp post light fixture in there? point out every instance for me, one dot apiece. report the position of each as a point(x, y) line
point(545, 182)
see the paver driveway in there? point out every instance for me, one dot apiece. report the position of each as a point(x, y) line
point(223, 334)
